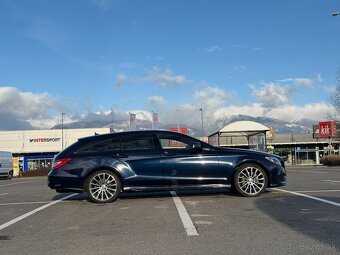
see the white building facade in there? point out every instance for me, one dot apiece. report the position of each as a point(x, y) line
point(34, 149)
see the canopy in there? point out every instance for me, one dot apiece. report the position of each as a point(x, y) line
point(248, 129)
point(243, 128)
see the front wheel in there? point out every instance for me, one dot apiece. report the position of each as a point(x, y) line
point(250, 180)
point(103, 186)
point(10, 175)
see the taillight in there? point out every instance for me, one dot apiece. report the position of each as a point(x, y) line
point(60, 162)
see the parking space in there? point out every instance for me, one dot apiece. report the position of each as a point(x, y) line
point(276, 222)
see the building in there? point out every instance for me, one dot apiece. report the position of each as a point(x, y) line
point(298, 148)
point(34, 149)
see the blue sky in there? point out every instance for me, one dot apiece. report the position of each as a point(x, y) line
point(262, 58)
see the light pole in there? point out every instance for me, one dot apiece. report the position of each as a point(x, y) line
point(62, 130)
point(177, 120)
point(335, 13)
point(201, 109)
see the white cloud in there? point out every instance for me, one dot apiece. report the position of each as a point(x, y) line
point(120, 79)
point(319, 77)
point(213, 49)
point(314, 111)
point(18, 109)
point(166, 78)
point(273, 95)
point(304, 82)
point(211, 97)
point(156, 100)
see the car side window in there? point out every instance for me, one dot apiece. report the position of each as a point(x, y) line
point(136, 142)
point(102, 146)
point(174, 142)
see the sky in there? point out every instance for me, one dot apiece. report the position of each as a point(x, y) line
point(86, 58)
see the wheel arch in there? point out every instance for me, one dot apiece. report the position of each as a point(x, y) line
point(255, 162)
point(101, 168)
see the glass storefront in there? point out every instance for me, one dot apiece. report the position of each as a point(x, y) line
point(33, 162)
point(36, 163)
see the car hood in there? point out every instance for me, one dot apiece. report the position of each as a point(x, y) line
point(245, 152)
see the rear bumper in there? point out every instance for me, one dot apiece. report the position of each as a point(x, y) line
point(63, 183)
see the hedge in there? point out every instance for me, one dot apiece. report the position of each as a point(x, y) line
point(330, 160)
point(37, 172)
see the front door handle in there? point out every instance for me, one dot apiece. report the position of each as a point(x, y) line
point(122, 155)
point(168, 153)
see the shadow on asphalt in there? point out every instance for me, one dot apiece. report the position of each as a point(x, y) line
point(146, 195)
point(311, 218)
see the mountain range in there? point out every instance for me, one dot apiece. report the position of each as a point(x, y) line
point(298, 126)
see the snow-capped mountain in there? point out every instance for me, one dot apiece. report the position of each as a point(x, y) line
point(143, 122)
point(302, 125)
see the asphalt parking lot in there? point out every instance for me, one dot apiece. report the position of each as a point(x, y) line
point(301, 218)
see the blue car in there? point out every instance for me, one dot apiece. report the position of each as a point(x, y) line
point(106, 165)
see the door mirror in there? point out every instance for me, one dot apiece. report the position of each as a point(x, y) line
point(196, 147)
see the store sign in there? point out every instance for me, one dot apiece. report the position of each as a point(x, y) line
point(44, 140)
point(271, 133)
point(173, 143)
point(327, 129)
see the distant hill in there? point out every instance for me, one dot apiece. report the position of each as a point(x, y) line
point(120, 123)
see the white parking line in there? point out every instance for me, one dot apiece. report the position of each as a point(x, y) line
point(183, 214)
point(330, 181)
point(304, 171)
point(307, 196)
point(2, 194)
point(10, 184)
point(32, 203)
point(11, 222)
point(318, 191)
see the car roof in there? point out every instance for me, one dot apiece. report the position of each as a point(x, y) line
point(112, 135)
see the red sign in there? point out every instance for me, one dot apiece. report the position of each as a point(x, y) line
point(327, 128)
point(173, 143)
point(183, 130)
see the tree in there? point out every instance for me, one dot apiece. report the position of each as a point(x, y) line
point(335, 101)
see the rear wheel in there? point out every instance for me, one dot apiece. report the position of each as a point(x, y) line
point(103, 186)
point(250, 180)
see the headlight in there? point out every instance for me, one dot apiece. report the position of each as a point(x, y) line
point(274, 160)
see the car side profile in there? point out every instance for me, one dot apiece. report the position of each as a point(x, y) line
point(106, 165)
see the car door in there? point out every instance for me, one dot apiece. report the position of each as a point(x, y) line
point(142, 155)
point(184, 166)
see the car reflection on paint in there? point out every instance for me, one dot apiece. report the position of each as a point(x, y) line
point(106, 165)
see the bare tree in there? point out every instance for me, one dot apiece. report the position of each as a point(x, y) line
point(335, 101)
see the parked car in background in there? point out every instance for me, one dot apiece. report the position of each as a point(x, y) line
point(6, 165)
point(106, 165)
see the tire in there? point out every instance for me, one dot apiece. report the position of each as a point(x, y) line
point(10, 175)
point(103, 186)
point(250, 180)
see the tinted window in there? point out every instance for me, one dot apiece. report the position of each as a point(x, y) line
point(108, 145)
point(136, 142)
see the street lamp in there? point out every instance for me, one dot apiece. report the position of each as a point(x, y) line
point(177, 121)
point(202, 122)
point(62, 130)
point(335, 13)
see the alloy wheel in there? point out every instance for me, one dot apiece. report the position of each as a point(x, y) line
point(251, 180)
point(103, 186)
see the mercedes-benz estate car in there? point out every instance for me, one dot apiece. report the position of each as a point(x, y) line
point(106, 165)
